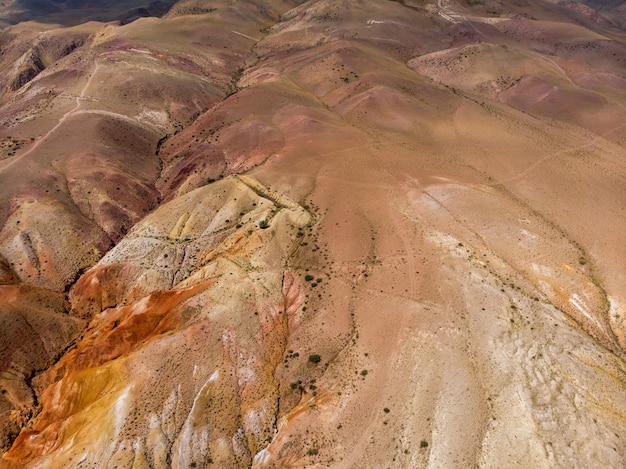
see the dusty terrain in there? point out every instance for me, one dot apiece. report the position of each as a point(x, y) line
point(313, 234)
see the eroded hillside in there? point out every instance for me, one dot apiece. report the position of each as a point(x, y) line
point(326, 233)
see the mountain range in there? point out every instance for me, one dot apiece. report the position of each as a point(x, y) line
point(284, 233)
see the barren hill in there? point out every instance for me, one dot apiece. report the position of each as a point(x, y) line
point(359, 233)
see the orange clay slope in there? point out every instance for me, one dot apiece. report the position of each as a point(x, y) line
point(317, 234)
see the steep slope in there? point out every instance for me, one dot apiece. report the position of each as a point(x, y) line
point(81, 141)
point(208, 287)
point(347, 234)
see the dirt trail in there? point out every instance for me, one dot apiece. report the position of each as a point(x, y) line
point(62, 120)
point(448, 14)
point(402, 320)
point(550, 156)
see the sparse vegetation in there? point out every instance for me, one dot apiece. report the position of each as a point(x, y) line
point(195, 10)
point(10, 145)
point(368, 156)
point(237, 74)
point(315, 358)
point(296, 385)
point(233, 86)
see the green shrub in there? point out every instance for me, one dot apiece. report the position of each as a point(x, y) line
point(315, 358)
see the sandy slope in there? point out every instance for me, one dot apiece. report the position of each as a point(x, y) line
point(362, 234)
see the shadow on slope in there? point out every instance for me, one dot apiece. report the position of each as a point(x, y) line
point(74, 12)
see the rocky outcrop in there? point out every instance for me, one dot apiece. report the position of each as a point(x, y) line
point(38, 318)
point(209, 287)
